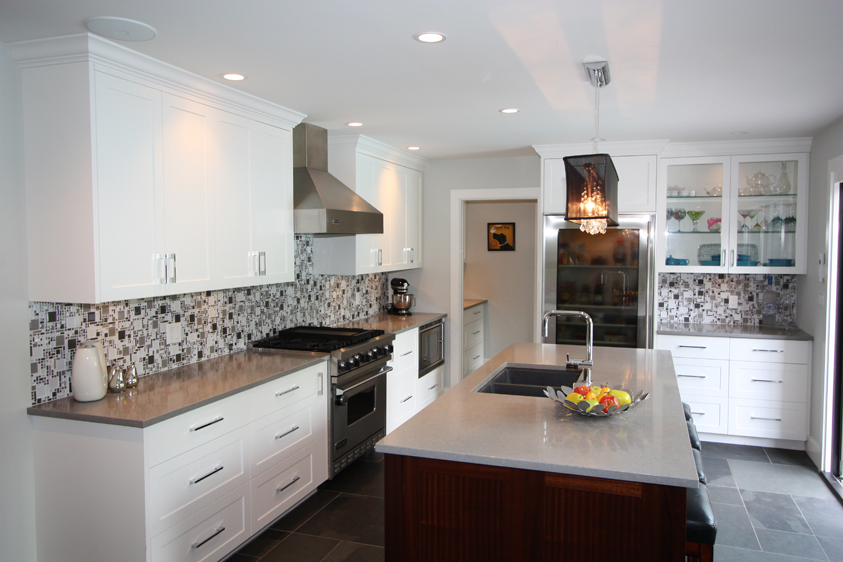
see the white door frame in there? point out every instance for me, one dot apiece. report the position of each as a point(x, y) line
point(458, 199)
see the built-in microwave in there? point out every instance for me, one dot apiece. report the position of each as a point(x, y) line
point(431, 346)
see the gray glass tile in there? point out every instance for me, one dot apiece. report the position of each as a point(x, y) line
point(793, 544)
point(718, 473)
point(730, 451)
point(786, 456)
point(300, 548)
point(730, 554)
point(357, 519)
point(778, 479)
point(722, 494)
point(734, 527)
point(777, 512)
point(825, 516)
point(833, 547)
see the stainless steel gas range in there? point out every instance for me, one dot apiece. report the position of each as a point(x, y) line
point(358, 368)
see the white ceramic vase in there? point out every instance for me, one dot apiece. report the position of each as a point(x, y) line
point(88, 377)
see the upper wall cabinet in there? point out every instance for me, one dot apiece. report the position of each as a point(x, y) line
point(144, 180)
point(391, 181)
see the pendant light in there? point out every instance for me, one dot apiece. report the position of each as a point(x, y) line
point(592, 181)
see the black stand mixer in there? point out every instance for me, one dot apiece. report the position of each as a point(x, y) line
point(401, 300)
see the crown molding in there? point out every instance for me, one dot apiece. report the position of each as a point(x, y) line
point(376, 149)
point(112, 58)
point(729, 148)
point(613, 148)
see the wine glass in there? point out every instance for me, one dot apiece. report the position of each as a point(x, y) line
point(752, 215)
point(744, 213)
point(695, 217)
point(679, 214)
point(669, 216)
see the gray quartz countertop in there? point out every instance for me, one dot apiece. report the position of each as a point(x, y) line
point(647, 444)
point(169, 393)
point(393, 324)
point(731, 331)
point(468, 303)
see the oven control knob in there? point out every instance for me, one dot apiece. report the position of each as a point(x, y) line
point(342, 367)
point(353, 362)
point(389, 348)
point(372, 355)
point(360, 358)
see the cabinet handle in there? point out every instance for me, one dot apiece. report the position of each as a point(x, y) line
point(475, 357)
point(765, 380)
point(380, 256)
point(693, 346)
point(732, 257)
point(254, 264)
point(698, 413)
point(691, 376)
point(407, 398)
point(475, 333)
point(769, 350)
point(262, 263)
point(217, 532)
point(218, 419)
point(765, 419)
point(412, 255)
point(723, 260)
point(286, 433)
point(157, 261)
point(406, 354)
point(432, 387)
point(288, 391)
point(320, 379)
point(198, 480)
point(172, 278)
point(476, 312)
point(280, 489)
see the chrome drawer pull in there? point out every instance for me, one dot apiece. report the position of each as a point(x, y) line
point(432, 387)
point(693, 346)
point(765, 419)
point(217, 532)
point(478, 312)
point(407, 398)
point(698, 413)
point(475, 333)
point(280, 489)
point(283, 392)
point(406, 354)
point(198, 480)
point(770, 350)
point(692, 376)
point(766, 380)
point(204, 425)
point(286, 433)
point(475, 357)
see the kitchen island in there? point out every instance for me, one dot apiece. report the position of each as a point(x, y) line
point(499, 477)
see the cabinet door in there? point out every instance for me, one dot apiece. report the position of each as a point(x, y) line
point(368, 174)
point(413, 220)
point(554, 188)
point(398, 217)
point(129, 188)
point(636, 183)
point(188, 195)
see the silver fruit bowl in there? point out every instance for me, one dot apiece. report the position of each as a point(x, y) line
point(560, 397)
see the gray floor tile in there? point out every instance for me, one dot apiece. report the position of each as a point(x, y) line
point(263, 543)
point(237, 557)
point(300, 548)
point(718, 473)
point(361, 477)
point(786, 456)
point(305, 510)
point(825, 516)
point(733, 526)
point(775, 512)
point(730, 554)
point(737, 452)
point(350, 518)
point(833, 547)
point(352, 552)
point(722, 494)
point(778, 479)
point(792, 544)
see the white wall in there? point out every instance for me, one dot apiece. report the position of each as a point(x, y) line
point(811, 315)
point(505, 279)
point(17, 492)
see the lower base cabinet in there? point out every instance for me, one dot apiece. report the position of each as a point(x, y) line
point(443, 510)
point(192, 488)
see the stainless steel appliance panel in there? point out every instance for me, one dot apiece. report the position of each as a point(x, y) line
point(431, 347)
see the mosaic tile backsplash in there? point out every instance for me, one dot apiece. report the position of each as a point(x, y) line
point(214, 323)
point(718, 299)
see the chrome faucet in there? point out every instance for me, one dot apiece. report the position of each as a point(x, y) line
point(579, 364)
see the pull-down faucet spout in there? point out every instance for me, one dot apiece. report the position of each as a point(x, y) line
point(582, 364)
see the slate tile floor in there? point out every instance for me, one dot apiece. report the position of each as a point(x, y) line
point(771, 506)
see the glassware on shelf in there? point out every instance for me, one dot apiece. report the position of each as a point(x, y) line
point(743, 226)
point(669, 218)
point(783, 185)
point(714, 224)
point(752, 214)
point(790, 217)
point(679, 214)
point(695, 218)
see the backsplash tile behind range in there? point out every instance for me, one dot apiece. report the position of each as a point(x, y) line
point(704, 298)
point(214, 323)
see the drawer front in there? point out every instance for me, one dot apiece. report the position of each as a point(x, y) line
point(208, 535)
point(472, 334)
point(773, 420)
point(182, 486)
point(710, 413)
point(400, 392)
point(472, 358)
point(770, 351)
point(178, 435)
point(695, 347)
point(280, 434)
point(405, 350)
point(282, 392)
point(702, 377)
point(471, 314)
point(281, 487)
point(768, 381)
point(429, 387)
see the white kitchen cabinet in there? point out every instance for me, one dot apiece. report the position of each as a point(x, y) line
point(392, 182)
point(401, 381)
point(430, 387)
point(193, 487)
point(751, 213)
point(473, 339)
point(122, 154)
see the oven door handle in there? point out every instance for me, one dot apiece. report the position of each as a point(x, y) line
point(339, 396)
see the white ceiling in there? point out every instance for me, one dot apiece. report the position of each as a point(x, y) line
point(685, 70)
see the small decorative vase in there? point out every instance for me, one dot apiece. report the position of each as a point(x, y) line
point(87, 378)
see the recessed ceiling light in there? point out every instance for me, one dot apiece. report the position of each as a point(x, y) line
point(413, 147)
point(355, 124)
point(120, 28)
point(430, 37)
point(510, 110)
point(233, 77)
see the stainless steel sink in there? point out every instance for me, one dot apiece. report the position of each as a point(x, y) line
point(525, 381)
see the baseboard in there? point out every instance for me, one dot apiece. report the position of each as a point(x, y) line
point(815, 452)
point(754, 441)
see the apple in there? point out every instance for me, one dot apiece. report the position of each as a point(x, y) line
point(582, 390)
point(575, 397)
point(592, 403)
point(608, 400)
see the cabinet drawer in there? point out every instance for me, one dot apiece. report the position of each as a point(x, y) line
point(710, 412)
point(280, 434)
point(400, 396)
point(429, 386)
point(178, 435)
point(192, 481)
point(208, 535)
point(287, 390)
point(472, 334)
point(695, 347)
point(768, 381)
point(405, 350)
point(471, 314)
point(773, 420)
point(472, 358)
point(770, 351)
point(702, 377)
point(281, 487)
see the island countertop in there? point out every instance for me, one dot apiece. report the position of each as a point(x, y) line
point(647, 444)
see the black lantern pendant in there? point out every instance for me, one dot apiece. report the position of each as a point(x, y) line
point(592, 181)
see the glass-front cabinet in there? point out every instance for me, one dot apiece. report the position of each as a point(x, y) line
point(739, 214)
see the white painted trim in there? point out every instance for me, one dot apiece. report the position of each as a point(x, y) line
point(615, 148)
point(753, 441)
point(458, 199)
point(729, 148)
point(376, 149)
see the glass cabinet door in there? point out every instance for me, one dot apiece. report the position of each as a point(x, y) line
point(692, 218)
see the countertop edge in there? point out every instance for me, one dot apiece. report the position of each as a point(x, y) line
point(728, 331)
point(389, 322)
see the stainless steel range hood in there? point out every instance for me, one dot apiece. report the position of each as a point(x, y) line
point(322, 203)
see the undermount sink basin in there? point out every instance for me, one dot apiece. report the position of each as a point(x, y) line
point(525, 381)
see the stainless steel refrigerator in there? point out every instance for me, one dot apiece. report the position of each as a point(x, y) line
point(609, 276)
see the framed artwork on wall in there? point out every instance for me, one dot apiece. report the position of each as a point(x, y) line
point(501, 236)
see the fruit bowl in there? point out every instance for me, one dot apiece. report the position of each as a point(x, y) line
point(584, 408)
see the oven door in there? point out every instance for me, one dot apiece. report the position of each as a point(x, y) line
point(359, 408)
point(432, 347)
